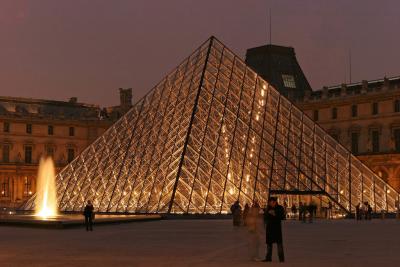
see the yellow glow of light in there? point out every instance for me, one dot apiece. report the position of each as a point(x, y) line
point(247, 178)
point(46, 199)
point(231, 191)
point(341, 191)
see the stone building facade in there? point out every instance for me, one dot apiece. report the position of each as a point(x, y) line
point(32, 128)
point(364, 116)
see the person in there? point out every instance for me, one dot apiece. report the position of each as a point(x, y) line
point(253, 226)
point(245, 214)
point(330, 206)
point(294, 210)
point(302, 212)
point(88, 212)
point(310, 209)
point(358, 212)
point(285, 206)
point(273, 216)
point(368, 216)
point(236, 210)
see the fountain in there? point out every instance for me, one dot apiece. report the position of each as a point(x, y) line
point(46, 213)
point(46, 199)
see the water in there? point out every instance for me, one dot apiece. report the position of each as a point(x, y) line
point(46, 195)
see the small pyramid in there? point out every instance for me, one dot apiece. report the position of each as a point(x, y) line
point(210, 133)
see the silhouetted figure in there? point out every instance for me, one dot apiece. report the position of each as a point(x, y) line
point(88, 212)
point(358, 212)
point(245, 214)
point(368, 215)
point(273, 215)
point(330, 206)
point(294, 210)
point(310, 209)
point(236, 210)
point(302, 212)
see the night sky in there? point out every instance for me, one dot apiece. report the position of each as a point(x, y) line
point(55, 49)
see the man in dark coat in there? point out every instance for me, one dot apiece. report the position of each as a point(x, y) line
point(273, 215)
point(88, 212)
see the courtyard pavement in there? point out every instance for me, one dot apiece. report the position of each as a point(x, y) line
point(201, 243)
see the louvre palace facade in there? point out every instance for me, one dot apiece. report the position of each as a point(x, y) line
point(363, 116)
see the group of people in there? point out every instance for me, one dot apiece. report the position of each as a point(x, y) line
point(363, 211)
point(303, 209)
point(273, 214)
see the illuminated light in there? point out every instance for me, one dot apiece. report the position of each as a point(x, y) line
point(46, 199)
point(124, 193)
point(247, 178)
point(388, 191)
point(341, 191)
point(30, 192)
point(229, 176)
point(364, 191)
point(251, 155)
point(257, 117)
point(262, 103)
point(242, 149)
point(226, 150)
point(231, 191)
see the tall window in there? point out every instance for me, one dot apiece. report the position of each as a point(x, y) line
point(397, 140)
point(29, 128)
point(28, 154)
point(375, 141)
point(354, 110)
point(71, 154)
point(316, 115)
point(6, 153)
point(50, 130)
point(5, 188)
point(27, 187)
point(354, 142)
point(6, 127)
point(50, 151)
point(375, 108)
point(397, 105)
point(71, 131)
point(334, 113)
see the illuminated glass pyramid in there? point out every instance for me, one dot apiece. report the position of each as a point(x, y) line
point(210, 133)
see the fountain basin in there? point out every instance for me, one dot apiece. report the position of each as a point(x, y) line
point(64, 221)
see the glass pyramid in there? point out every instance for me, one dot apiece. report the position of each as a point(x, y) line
point(210, 133)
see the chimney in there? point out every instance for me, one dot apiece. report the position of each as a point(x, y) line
point(324, 92)
point(125, 97)
point(343, 90)
point(386, 83)
point(364, 87)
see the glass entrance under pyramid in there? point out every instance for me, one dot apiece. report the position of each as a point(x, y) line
point(210, 133)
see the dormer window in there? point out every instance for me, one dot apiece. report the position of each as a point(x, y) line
point(288, 81)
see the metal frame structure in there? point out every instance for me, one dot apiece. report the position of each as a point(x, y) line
point(210, 133)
